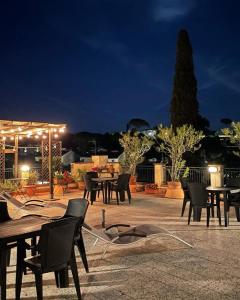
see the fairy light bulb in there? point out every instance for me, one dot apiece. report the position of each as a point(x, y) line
point(44, 137)
point(11, 138)
point(36, 136)
point(56, 135)
point(20, 138)
point(19, 129)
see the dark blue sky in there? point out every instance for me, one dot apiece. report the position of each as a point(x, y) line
point(95, 64)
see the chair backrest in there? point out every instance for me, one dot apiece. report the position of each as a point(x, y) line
point(4, 216)
point(89, 184)
point(198, 193)
point(77, 208)
point(123, 181)
point(92, 174)
point(56, 243)
point(233, 182)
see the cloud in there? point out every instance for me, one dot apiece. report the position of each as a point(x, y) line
point(170, 10)
point(110, 47)
point(223, 75)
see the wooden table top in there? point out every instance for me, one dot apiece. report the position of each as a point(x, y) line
point(102, 179)
point(223, 189)
point(21, 228)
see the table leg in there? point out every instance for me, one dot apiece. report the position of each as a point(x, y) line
point(3, 273)
point(106, 193)
point(21, 253)
point(225, 201)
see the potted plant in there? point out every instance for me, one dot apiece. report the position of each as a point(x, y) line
point(135, 145)
point(9, 186)
point(59, 178)
point(79, 179)
point(151, 188)
point(174, 143)
point(32, 178)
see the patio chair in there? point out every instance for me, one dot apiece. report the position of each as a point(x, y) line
point(78, 208)
point(125, 235)
point(186, 197)
point(4, 217)
point(55, 253)
point(199, 200)
point(91, 187)
point(120, 187)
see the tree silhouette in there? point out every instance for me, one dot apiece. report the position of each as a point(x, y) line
point(136, 124)
point(184, 107)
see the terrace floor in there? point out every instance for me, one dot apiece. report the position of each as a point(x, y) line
point(161, 268)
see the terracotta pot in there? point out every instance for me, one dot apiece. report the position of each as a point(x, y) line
point(132, 184)
point(59, 181)
point(174, 190)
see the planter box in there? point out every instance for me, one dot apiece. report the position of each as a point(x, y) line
point(174, 190)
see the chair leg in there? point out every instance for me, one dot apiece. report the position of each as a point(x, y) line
point(183, 206)
point(39, 287)
point(219, 213)
point(81, 249)
point(19, 275)
point(190, 213)
point(74, 270)
point(237, 213)
point(208, 215)
point(84, 193)
point(117, 197)
point(129, 195)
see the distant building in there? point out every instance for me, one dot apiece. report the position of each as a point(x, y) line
point(70, 157)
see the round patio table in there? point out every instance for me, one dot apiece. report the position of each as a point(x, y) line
point(225, 191)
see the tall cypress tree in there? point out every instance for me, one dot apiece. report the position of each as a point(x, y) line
point(184, 105)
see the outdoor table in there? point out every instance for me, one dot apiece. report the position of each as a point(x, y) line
point(225, 191)
point(106, 183)
point(17, 231)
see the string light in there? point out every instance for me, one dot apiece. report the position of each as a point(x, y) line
point(55, 130)
point(20, 137)
point(56, 135)
point(4, 138)
point(19, 129)
point(39, 133)
point(25, 150)
point(62, 129)
point(36, 136)
point(12, 130)
point(44, 136)
point(2, 131)
point(11, 138)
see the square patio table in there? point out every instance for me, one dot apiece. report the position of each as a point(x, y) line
point(106, 182)
point(16, 231)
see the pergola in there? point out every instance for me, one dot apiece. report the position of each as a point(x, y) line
point(47, 133)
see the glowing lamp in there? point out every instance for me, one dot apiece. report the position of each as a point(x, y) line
point(212, 169)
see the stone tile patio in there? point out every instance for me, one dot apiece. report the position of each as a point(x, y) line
point(160, 268)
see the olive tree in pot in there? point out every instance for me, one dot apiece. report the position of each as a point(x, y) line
point(233, 133)
point(174, 143)
point(135, 145)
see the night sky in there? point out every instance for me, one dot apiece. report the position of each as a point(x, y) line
point(95, 64)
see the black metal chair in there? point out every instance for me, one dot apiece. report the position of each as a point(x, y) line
point(234, 198)
point(56, 252)
point(91, 187)
point(4, 217)
point(199, 200)
point(120, 187)
point(186, 198)
point(78, 208)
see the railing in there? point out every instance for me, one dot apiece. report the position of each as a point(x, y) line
point(145, 173)
point(9, 172)
point(231, 173)
point(196, 174)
